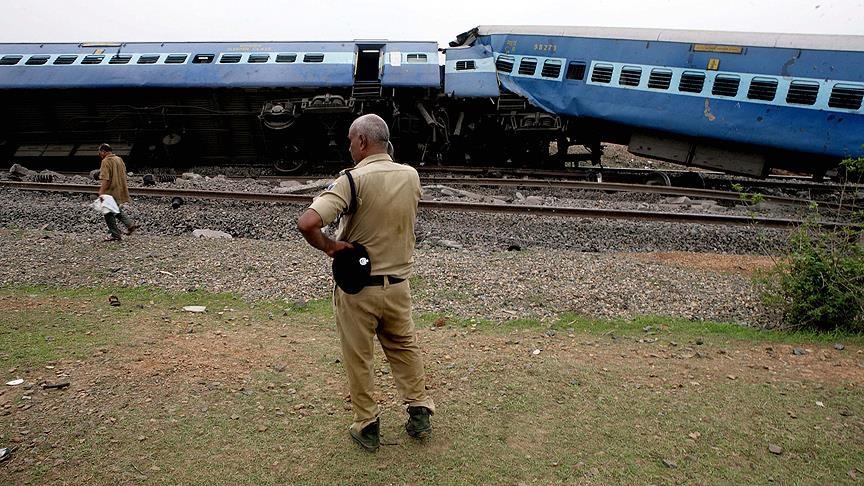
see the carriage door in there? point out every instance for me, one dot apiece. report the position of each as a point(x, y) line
point(367, 72)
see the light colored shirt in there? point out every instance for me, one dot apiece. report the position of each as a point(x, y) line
point(387, 198)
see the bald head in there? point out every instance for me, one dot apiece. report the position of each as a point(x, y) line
point(368, 135)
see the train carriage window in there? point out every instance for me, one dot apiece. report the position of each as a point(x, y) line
point(466, 65)
point(725, 85)
point(286, 57)
point(802, 93)
point(313, 58)
point(10, 60)
point(416, 58)
point(175, 59)
point(37, 60)
point(576, 71)
point(551, 68)
point(67, 59)
point(602, 73)
point(230, 58)
point(691, 82)
point(660, 79)
point(846, 96)
point(630, 76)
point(203, 58)
point(505, 64)
point(92, 59)
point(148, 59)
point(258, 58)
point(120, 59)
point(762, 89)
point(527, 66)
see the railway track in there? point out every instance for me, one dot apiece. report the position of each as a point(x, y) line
point(442, 205)
point(569, 184)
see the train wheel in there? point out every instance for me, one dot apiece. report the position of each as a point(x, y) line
point(692, 179)
point(289, 166)
point(658, 179)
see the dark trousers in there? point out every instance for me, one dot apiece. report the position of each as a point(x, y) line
point(111, 221)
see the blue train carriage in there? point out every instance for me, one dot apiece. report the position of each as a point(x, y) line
point(288, 102)
point(738, 102)
point(487, 123)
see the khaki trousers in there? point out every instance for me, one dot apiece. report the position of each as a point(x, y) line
point(384, 311)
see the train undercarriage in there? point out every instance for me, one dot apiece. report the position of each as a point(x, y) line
point(293, 130)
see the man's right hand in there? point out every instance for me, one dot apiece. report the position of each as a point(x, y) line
point(337, 247)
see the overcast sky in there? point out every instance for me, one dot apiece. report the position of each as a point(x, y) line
point(179, 20)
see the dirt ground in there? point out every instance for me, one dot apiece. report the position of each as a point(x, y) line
point(141, 372)
point(745, 265)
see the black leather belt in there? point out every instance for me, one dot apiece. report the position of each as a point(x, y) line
point(379, 280)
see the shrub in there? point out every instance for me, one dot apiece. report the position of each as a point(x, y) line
point(819, 284)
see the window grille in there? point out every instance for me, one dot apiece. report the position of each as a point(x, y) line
point(660, 79)
point(551, 69)
point(230, 58)
point(602, 73)
point(802, 93)
point(846, 96)
point(762, 89)
point(691, 82)
point(93, 59)
point(630, 76)
point(725, 85)
point(37, 60)
point(505, 64)
point(175, 59)
point(528, 66)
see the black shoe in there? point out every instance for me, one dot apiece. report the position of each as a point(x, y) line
point(418, 425)
point(368, 438)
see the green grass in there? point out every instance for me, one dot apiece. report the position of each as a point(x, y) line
point(640, 325)
point(152, 402)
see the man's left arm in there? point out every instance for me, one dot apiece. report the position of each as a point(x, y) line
point(104, 178)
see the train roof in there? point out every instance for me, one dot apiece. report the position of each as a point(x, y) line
point(217, 46)
point(756, 39)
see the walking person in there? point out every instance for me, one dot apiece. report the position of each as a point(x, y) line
point(112, 177)
point(376, 203)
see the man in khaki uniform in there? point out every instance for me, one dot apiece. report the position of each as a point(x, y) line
point(112, 177)
point(387, 195)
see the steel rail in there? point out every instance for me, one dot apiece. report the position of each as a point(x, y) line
point(619, 187)
point(445, 205)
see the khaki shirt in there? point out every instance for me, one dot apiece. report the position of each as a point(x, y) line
point(387, 198)
point(113, 169)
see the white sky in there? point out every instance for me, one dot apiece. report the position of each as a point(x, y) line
point(294, 20)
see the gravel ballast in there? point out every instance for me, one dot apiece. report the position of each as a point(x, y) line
point(463, 269)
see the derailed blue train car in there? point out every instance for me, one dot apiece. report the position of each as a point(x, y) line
point(738, 102)
point(285, 102)
point(516, 95)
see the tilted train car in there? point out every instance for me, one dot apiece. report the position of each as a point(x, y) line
point(286, 102)
point(738, 102)
point(489, 125)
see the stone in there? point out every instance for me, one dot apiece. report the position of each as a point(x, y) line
point(208, 233)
